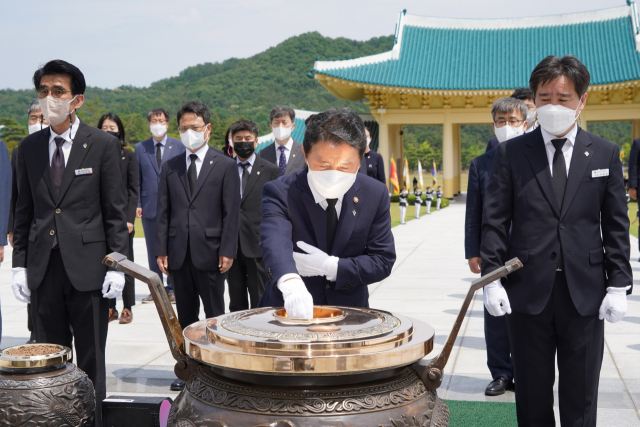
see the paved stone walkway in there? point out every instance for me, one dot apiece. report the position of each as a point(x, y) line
point(429, 282)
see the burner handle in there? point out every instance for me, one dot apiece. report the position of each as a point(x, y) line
point(431, 371)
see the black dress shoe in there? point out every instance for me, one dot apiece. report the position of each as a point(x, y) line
point(498, 387)
point(178, 385)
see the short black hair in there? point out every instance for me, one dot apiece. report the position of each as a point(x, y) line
point(115, 118)
point(244, 124)
point(156, 111)
point(58, 66)
point(552, 67)
point(523, 93)
point(338, 125)
point(281, 110)
point(197, 108)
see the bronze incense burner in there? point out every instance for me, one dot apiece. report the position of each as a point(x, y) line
point(345, 367)
point(44, 390)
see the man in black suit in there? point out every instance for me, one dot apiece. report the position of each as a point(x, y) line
point(70, 213)
point(525, 95)
point(556, 200)
point(372, 163)
point(634, 160)
point(506, 113)
point(247, 274)
point(197, 219)
point(285, 152)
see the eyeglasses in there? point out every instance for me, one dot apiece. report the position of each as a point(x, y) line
point(158, 121)
point(195, 128)
point(36, 119)
point(55, 92)
point(513, 122)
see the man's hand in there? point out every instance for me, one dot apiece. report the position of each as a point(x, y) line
point(138, 212)
point(1, 253)
point(297, 300)
point(633, 192)
point(315, 262)
point(224, 263)
point(614, 305)
point(19, 285)
point(113, 284)
point(130, 227)
point(11, 238)
point(163, 263)
point(475, 264)
point(496, 299)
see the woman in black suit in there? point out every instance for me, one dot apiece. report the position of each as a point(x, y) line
point(112, 124)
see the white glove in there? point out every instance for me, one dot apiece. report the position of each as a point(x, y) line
point(496, 300)
point(614, 305)
point(315, 262)
point(19, 285)
point(297, 300)
point(113, 284)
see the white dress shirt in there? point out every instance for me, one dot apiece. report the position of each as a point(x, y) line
point(567, 149)
point(321, 200)
point(162, 143)
point(202, 151)
point(287, 150)
point(68, 136)
point(251, 159)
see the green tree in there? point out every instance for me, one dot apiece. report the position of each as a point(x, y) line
point(11, 130)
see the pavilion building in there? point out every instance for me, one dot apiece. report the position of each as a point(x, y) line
point(448, 72)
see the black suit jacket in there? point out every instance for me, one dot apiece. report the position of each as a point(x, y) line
point(479, 173)
point(493, 143)
point(206, 221)
point(129, 167)
point(14, 189)
point(521, 194)
point(296, 157)
point(372, 165)
point(634, 159)
point(87, 215)
point(250, 206)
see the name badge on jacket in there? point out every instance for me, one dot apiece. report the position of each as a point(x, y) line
point(86, 171)
point(599, 173)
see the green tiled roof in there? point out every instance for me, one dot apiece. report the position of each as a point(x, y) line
point(452, 54)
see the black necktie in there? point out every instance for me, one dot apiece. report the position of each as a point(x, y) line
point(57, 171)
point(245, 176)
point(559, 170)
point(192, 173)
point(159, 154)
point(332, 223)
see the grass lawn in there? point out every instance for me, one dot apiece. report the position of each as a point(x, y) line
point(411, 211)
point(138, 227)
point(633, 209)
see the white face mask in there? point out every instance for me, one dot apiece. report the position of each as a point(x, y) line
point(531, 115)
point(332, 184)
point(192, 140)
point(55, 110)
point(368, 141)
point(556, 119)
point(158, 130)
point(507, 132)
point(35, 128)
point(281, 133)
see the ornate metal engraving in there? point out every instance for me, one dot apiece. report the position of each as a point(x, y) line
point(400, 391)
point(187, 416)
point(436, 415)
point(64, 400)
point(387, 324)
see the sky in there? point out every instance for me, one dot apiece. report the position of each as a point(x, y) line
point(134, 42)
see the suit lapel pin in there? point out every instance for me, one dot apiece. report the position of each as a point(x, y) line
point(123, 158)
point(356, 200)
point(169, 146)
point(586, 153)
point(258, 172)
point(84, 145)
point(293, 155)
point(210, 161)
point(354, 213)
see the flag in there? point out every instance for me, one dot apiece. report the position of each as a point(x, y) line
point(393, 177)
point(435, 175)
point(420, 182)
point(405, 175)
